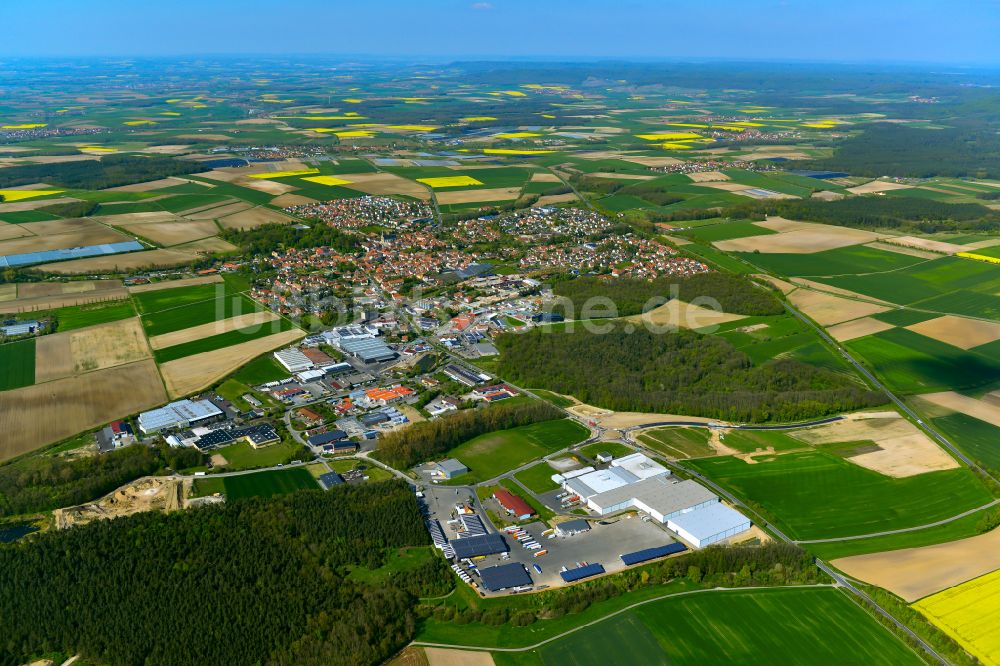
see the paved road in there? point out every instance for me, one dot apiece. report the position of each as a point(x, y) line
point(702, 424)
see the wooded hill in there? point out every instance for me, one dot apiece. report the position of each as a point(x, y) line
point(109, 171)
point(679, 372)
point(252, 581)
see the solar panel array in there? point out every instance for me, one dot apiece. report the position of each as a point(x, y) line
point(652, 553)
point(572, 575)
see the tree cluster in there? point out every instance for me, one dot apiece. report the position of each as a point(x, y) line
point(676, 372)
point(734, 294)
point(270, 237)
point(41, 483)
point(109, 171)
point(254, 581)
point(430, 439)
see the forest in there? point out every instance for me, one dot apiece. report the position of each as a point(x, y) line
point(40, 483)
point(270, 237)
point(431, 439)
point(734, 294)
point(885, 149)
point(254, 581)
point(874, 212)
point(679, 372)
point(109, 171)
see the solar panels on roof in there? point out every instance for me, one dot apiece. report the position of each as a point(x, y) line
point(484, 544)
point(572, 575)
point(505, 576)
point(652, 553)
point(331, 479)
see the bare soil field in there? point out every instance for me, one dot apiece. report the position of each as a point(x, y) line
point(779, 284)
point(925, 244)
point(252, 218)
point(8, 231)
point(8, 292)
point(858, 328)
point(957, 331)
point(32, 204)
point(903, 451)
point(204, 137)
point(651, 161)
point(210, 329)
point(827, 309)
point(174, 284)
point(900, 249)
point(797, 238)
point(193, 373)
point(173, 233)
point(286, 200)
point(678, 314)
point(985, 410)
point(137, 218)
point(618, 420)
point(476, 196)
point(550, 199)
point(978, 245)
point(163, 258)
point(149, 185)
point(87, 349)
point(82, 402)
point(169, 149)
point(914, 573)
point(448, 657)
point(89, 234)
point(204, 245)
point(266, 186)
point(877, 186)
point(385, 183)
point(725, 185)
point(217, 212)
point(45, 295)
point(827, 195)
point(708, 177)
point(544, 177)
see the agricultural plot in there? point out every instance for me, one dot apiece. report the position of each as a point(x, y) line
point(817, 495)
point(122, 263)
point(912, 363)
point(222, 340)
point(494, 453)
point(679, 442)
point(259, 371)
point(94, 348)
point(82, 402)
point(798, 626)
point(196, 313)
point(82, 316)
point(268, 484)
point(34, 297)
point(977, 438)
point(792, 237)
point(17, 364)
point(969, 613)
point(538, 478)
point(840, 261)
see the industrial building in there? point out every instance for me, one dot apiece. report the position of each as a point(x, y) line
point(505, 577)
point(571, 527)
point(647, 554)
point(513, 505)
point(20, 328)
point(293, 360)
point(368, 350)
point(449, 469)
point(327, 437)
point(329, 480)
point(479, 546)
point(180, 414)
point(579, 573)
point(662, 497)
point(464, 376)
point(709, 524)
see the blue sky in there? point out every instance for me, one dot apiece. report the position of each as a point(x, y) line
point(947, 31)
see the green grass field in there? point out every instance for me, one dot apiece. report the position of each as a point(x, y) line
point(494, 453)
point(784, 625)
point(184, 316)
point(977, 438)
point(614, 448)
point(17, 364)
point(725, 231)
point(261, 370)
point(241, 455)
point(154, 301)
point(538, 478)
point(554, 398)
point(268, 484)
point(748, 441)
point(678, 442)
point(817, 494)
point(912, 363)
point(842, 261)
point(80, 316)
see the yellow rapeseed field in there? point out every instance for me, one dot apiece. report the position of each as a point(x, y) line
point(478, 119)
point(514, 151)
point(327, 180)
point(449, 181)
point(669, 136)
point(515, 135)
point(134, 123)
point(18, 195)
point(978, 257)
point(412, 128)
point(969, 613)
point(25, 126)
point(285, 174)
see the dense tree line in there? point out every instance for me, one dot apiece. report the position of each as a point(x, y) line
point(41, 483)
point(109, 171)
point(732, 566)
point(254, 581)
point(885, 149)
point(679, 372)
point(872, 212)
point(431, 439)
point(72, 208)
point(734, 294)
point(270, 237)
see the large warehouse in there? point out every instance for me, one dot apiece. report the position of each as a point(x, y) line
point(368, 350)
point(180, 414)
point(709, 524)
